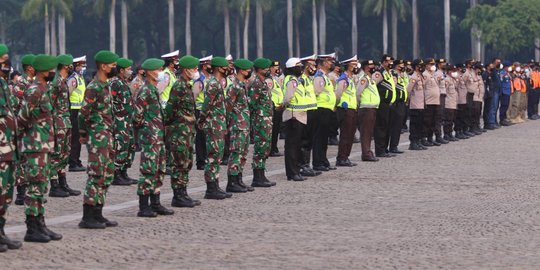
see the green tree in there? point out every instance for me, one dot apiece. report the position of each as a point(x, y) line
point(399, 9)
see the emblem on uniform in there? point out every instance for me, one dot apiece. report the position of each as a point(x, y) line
point(74, 83)
point(270, 85)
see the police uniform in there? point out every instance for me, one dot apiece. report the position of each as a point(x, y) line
point(397, 110)
point(277, 117)
point(347, 114)
point(369, 100)
point(417, 105)
point(387, 93)
point(433, 101)
point(198, 93)
point(77, 89)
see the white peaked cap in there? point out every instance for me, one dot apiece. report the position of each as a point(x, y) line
point(292, 62)
point(171, 54)
point(354, 58)
point(332, 55)
point(229, 58)
point(206, 59)
point(80, 59)
point(309, 58)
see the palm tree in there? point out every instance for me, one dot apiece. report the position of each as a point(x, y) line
point(399, 9)
point(227, 25)
point(260, 7)
point(416, 48)
point(290, 27)
point(112, 26)
point(476, 33)
point(245, 8)
point(354, 29)
point(170, 4)
point(447, 29)
point(314, 26)
point(188, 27)
point(322, 26)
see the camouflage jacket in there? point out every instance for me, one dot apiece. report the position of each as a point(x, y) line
point(18, 91)
point(96, 114)
point(213, 116)
point(122, 100)
point(8, 124)
point(180, 109)
point(148, 117)
point(260, 100)
point(237, 105)
point(59, 96)
point(35, 120)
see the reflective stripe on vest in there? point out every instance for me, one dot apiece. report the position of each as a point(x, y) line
point(76, 97)
point(406, 80)
point(327, 98)
point(310, 92)
point(277, 93)
point(348, 97)
point(401, 89)
point(370, 96)
point(388, 81)
point(167, 91)
point(200, 97)
point(299, 102)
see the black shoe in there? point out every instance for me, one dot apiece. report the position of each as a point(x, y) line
point(64, 185)
point(345, 163)
point(3, 248)
point(233, 186)
point(200, 167)
point(369, 157)
point(125, 175)
point(321, 168)
point(414, 146)
point(276, 154)
point(56, 190)
point(119, 180)
point(180, 198)
point(333, 140)
point(242, 184)
point(34, 232)
point(396, 151)
point(308, 172)
point(213, 193)
point(158, 208)
point(76, 168)
point(8, 243)
point(260, 180)
point(144, 207)
point(441, 140)
point(506, 123)
point(89, 220)
point(461, 136)
point(98, 215)
point(490, 127)
point(54, 236)
point(21, 190)
point(296, 178)
point(227, 194)
point(426, 143)
point(167, 170)
point(225, 162)
point(435, 143)
point(452, 138)
point(385, 155)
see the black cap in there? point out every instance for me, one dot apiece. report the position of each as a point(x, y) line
point(418, 62)
point(429, 61)
point(398, 62)
point(440, 61)
point(387, 57)
point(368, 62)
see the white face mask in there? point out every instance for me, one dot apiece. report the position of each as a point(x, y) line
point(161, 76)
point(518, 69)
point(195, 75)
point(500, 66)
point(510, 69)
point(454, 74)
point(432, 68)
point(128, 73)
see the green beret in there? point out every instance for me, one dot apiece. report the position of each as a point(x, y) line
point(243, 63)
point(3, 49)
point(152, 64)
point(219, 62)
point(65, 59)
point(188, 61)
point(44, 62)
point(124, 63)
point(262, 63)
point(27, 59)
point(106, 57)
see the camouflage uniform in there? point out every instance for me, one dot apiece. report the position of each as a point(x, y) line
point(97, 124)
point(36, 123)
point(261, 121)
point(18, 91)
point(237, 105)
point(8, 148)
point(149, 123)
point(124, 139)
point(212, 121)
point(59, 96)
point(180, 131)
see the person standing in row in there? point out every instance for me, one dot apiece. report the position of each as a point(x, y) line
point(205, 69)
point(432, 101)
point(387, 93)
point(440, 75)
point(397, 110)
point(77, 90)
point(369, 100)
point(451, 101)
point(277, 100)
point(305, 82)
point(417, 106)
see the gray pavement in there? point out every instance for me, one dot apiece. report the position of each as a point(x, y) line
point(473, 204)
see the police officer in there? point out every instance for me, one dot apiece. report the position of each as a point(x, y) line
point(205, 69)
point(417, 105)
point(347, 113)
point(397, 110)
point(440, 76)
point(387, 93)
point(451, 100)
point(169, 75)
point(471, 83)
point(277, 100)
point(77, 89)
point(462, 117)
point(369, 100)
point(432, 97)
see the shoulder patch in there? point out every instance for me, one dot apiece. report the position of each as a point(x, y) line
point(270, 84)
point(74, 83)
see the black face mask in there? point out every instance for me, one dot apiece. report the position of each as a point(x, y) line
point(332, 67)
point(311, 71)
point(463, 70)
point(208, 69)
point(6, 67)
point(356, 71)
point(372, 70)
point(408, 70)
point(390, 66)
point(268, 74)
point(296, 71)
point(112, 73)
point(50, 77)
point(177, 66)
point(249, 74)
point(422, 69)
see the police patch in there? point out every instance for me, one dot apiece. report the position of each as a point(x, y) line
point(74, 83)
point(363, 82)
point(270, 85)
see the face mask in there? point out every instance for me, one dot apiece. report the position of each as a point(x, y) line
point(332, 67)
point(510, 69)
point(82, 72)
point(112, 73)
point(50, 77)
point(372, 70)
point(195, 75)
point(518, 69)
point(208, 69)
point(268, 74)
point(527, 71)
point(249, 74)
point(296, 71)
point(128, 73)
point(421, 69)
point(390, 66)
point(311, 71)
point(6, 69)
point(278, 72)
point(70, 70)
point(454, 74)
point(500, 66)
point(432, 68)
point(176, 66)
point(356, 71)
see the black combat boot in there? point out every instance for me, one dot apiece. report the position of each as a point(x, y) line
point(419, 142)
point(3, 248)
point(54, 236)
point(441, 140)
point(227, 194)
point(144, 208)
point(21, 190)
point(57, 190)
point(259, 180)
point(233, 186)
point(155, 203)
point(126, 176)
point(212, 192)
point(414, 146)
point(426, 143)
point(180, 198)
point(34, 232)
point(98, 215)
point(89, 220)
point(64, 185)
point(5, 241)
point(119, 180)
point(242, 184)
point(272, 183)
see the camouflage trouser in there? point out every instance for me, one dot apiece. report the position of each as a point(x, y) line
point(262, 135)
point(180, 142)
point(37, 172)
point(100, 167)
point(152, 168)
point(239, 146)
point(124, 143)
point(19, 172)
point(7, 181)
point(215, 144)
point(60, 155)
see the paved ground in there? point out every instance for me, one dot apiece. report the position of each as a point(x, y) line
point(472, 204)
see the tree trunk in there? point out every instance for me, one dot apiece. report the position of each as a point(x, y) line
point(237, 36)
point(227, 24)
point(385, 31)
point(188, 27)
point(124, 29)
point(447, 29)
point(537, 49)
point(170, 4)
point(475, 37)
point(61, 34)
point(322, 26)
point(394, 31)
point(47, 28)
point(354, 29)
point(416, 47)
point(259, 25)
point(290, 27)
point(54, 40)
point(246, 31)
point(297, 31)
point(314, 26)
point(112, 26)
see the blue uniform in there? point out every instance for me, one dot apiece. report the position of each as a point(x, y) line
point(506, 90)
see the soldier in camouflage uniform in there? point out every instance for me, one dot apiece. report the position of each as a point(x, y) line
point(212, 120)
point(124, 140)
point(59, 96)
point(96, 126)
point(36, 123)
point(148, 120)
point(237, 105)
point(9, 151)
point(180, 130)
point(20, 87)
point(261, 121)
